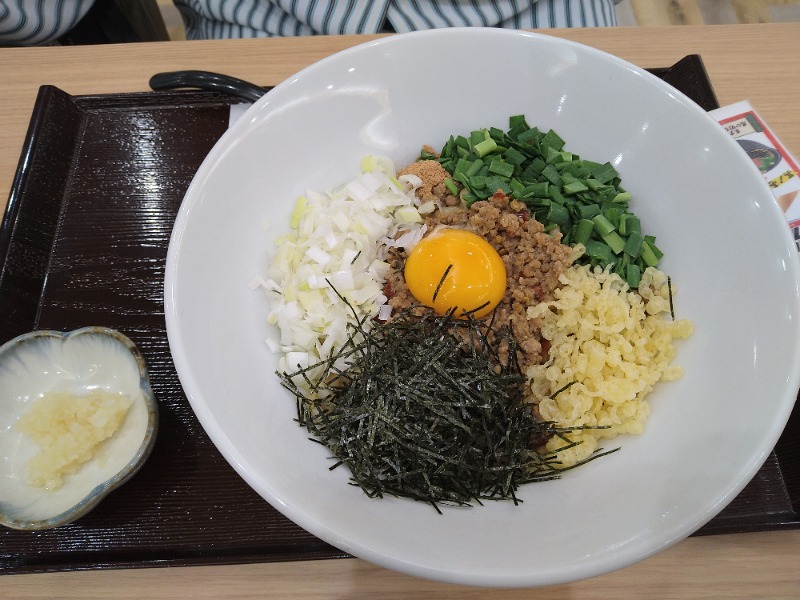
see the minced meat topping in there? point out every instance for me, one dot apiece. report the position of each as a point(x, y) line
point(534, 260)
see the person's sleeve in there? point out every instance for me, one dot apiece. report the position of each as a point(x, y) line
point(30, 22)
point(215, 19)
point(412, 15)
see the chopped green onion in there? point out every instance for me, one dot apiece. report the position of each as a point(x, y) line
point(517, 122)
point(535, 169)
point(651, 240)
point(485, 147)
point(583, 231)
point(553, 140)
point(633, 246)
point(529, 135)
point(633, 275)
point(614, 241)
point(536, 190)
point(649, 257)
point(477, 182)
point(574, 187)
point(558, 215)
point(622, 197)
point(451, 186)
point(551, 174)
point(600, 252)
point(514, 157)
point(499, 167)
point(605, 173)
point(474, 167)
point(628, 224)
point(558, 187)
point(588, 211)
point(603, 225)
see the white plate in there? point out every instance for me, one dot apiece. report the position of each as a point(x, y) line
point(728, 251)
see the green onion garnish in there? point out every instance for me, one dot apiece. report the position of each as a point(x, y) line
point(532, 166)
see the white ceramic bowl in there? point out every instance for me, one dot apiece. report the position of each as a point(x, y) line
point(75, 362)
point(727, 248)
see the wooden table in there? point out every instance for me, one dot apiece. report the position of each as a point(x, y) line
point(760, 63)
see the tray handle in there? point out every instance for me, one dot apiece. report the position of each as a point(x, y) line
point(207, 80)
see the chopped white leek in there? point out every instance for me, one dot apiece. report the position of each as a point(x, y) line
point(338, 246)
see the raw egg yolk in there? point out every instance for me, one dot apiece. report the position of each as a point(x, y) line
point(455, 269)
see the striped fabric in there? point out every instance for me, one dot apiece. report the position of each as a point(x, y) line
point(33, 22)
point(214, 19)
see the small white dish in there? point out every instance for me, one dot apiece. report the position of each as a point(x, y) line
point(75, 362)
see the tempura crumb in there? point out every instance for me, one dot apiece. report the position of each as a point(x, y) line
point(610, 346)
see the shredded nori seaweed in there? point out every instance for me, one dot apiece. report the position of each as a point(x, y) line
point(426, 409)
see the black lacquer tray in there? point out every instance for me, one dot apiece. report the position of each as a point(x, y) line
point(84, 242)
